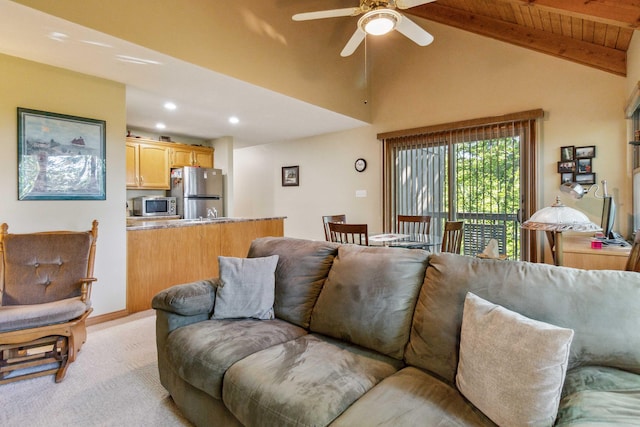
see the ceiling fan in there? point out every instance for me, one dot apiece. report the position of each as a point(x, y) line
point(380, 17)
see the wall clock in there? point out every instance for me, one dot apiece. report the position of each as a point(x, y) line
point(361, 165)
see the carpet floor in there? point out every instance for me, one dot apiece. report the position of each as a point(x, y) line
point(113, 382)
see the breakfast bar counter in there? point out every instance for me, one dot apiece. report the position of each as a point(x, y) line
point(163, 253)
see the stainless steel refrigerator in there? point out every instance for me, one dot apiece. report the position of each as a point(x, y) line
point(198, 191)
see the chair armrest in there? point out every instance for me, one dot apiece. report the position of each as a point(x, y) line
point(85, 291)
point(189, 299)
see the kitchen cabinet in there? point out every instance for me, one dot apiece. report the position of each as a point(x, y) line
point(160, 256)
point(147, 165)
point(191, 155)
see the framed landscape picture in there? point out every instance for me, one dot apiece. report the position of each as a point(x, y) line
point(290, 176)
point(60, 157)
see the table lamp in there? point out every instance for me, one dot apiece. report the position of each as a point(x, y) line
point(555, 219)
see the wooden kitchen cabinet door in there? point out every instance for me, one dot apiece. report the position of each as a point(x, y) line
point(153, 166)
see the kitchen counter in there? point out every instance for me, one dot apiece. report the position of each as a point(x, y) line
point(163, 253)
point(141, 223)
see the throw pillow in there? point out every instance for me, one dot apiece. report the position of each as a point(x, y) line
point(511, 367)
point(246, 288)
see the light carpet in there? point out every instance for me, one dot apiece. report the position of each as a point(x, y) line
point(113, 382)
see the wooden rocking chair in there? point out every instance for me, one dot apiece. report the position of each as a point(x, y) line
point(45, 291)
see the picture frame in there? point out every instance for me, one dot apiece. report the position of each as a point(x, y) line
point(583, 165)
point(564, 167)
point(585, 178)
point(566, 177)
point(290, 176)
point(567, 153)
point(585, 152)
point(60, 157)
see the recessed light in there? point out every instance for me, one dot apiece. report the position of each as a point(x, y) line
point(57, 36)
point(134, 60)
point(170, 106)
point(94, 43)
point(160, 126)
point(234, 120)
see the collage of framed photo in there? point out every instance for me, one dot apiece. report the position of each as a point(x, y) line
point(576, 165)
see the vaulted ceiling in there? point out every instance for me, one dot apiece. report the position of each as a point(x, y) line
point(595, 33)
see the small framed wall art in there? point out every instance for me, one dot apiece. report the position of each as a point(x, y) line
point(290, 176)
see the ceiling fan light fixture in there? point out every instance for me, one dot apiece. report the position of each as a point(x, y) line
point(379, 22)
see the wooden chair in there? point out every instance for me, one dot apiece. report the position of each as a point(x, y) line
point(349, 233)
point(452, 236)
point(331, 218)
point(633, 263)
point(45, 291)
point(413, 224)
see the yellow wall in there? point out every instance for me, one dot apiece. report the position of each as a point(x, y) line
point(252, 40)
point(31, 85)
point(460, 76)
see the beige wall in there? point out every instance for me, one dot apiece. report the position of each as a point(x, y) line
point(460, 76)
point(252, 40)
point(40, 87)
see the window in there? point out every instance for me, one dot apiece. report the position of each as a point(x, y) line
point(480, 171)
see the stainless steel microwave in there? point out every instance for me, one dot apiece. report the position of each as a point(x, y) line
point(154, 206)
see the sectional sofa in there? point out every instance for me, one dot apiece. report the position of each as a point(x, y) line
point(308, 333)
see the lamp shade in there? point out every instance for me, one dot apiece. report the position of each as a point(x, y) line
point(559, 217)
point(574, 189)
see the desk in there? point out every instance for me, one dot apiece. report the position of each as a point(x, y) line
point(578, 254)
point(410, 241)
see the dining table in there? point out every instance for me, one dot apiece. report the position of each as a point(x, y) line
point(428, 242)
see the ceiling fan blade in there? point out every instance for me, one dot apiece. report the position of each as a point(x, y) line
point(331, 13)
point(406, 4)
point(353, 42)
point(414, 31)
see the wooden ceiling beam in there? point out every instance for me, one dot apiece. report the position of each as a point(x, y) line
point(621, 13)
point(600, 57)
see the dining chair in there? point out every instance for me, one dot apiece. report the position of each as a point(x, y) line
point(413, 224)
point(331, 218)
point(633, 262)
point(349, 233)
point(452, 236)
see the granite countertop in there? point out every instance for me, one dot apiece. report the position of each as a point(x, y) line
point(139, 224)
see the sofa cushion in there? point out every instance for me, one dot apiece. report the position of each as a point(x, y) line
point(305, 382)
point(600, 306)
point(202, 352)
point(597, 395)
point(412, 397)
point(302, 269)
point(511, 367)
point(246, 288)
point(369, 297)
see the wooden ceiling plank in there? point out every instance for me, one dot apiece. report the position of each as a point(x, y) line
point(610, 60)
point(546, 21)
point(536, 19)
point(624, 39)
point(576, 28)
point(611, 37)
point(565, 23)
point(587, 31)
point(599, 33)
point(556, 25)
point(623, 13)
point(526, 16)
point(506, 12)
point(517, 13)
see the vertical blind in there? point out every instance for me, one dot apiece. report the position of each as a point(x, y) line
point(480, 171)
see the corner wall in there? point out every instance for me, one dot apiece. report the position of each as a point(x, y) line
point(41, 87)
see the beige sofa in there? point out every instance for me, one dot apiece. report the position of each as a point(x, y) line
point(368, 336)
